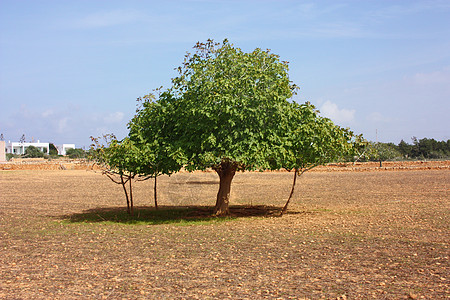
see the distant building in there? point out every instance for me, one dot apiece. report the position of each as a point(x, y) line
point(62, 149)
point(2, 151)
point(20, 148)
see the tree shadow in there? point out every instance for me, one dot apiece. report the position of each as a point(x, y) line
point(169, 214)
point(210, 182)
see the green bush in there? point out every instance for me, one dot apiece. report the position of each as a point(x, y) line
point(33, 152)
point(52, 150)
point(11, 155)
point(76, 153)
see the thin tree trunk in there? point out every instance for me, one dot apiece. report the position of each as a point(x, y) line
point(290, 195)
point(293, 185)
point(154, 191)
point(226, 172)
point(126, 194)
point(131, 196)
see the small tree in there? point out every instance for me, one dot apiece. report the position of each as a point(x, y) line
point(33, 152)
point(384, 151)
point(120, 161)
point(150, 131)
point(53, 151)
point(312, 140)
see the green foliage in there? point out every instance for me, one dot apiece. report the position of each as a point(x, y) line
point(420, 149)
point(313, 140)
point(52, 150)
point(430, 148)
point(385, 151)
point(150, 133)
point(122, 159)
point(228, 105)
point(33, 152)
point(118, 157)
point(11, 155)
point(76, 153)
point(425, 149)
point(381, 152)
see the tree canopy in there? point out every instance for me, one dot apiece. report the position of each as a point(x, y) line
point(228, 105)
point(230, 110)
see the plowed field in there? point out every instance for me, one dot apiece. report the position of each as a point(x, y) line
point(348, 235)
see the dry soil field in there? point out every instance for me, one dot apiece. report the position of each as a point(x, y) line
point(348, 235)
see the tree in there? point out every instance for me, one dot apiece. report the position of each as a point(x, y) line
point(53, 151)
point(313, 140)
point(120, 159)
point(383, 151)
point(229, 110)
point(425, 148)
point(224, 111)
point(150, 133)
point(405, 149)
point(33, 152)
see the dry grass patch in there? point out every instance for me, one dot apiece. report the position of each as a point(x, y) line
point(366, 235)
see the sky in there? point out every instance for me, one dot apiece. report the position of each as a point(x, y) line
point(73, 69)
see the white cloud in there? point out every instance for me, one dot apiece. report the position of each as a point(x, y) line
point(115, 117)
point(62, 125)
point(332, 111)
point(377, 117)
point(436, 77)
point(47, 113)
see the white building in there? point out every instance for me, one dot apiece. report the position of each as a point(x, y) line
point(20, 148)
point(62, 149)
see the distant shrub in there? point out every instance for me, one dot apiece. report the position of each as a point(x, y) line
point(33, 152)
point(76, 153)
point(10, 155)
point(52, 150)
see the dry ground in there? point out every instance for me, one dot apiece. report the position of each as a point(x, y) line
point(354, 235)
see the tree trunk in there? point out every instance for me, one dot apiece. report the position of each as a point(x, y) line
point(126, 194)
point(226, 171)
point(154, 191)
point(290, 195)
point(131, 197)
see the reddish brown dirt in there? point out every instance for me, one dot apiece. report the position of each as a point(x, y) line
point(44, 164)
point(358, 235)
point(70, 164)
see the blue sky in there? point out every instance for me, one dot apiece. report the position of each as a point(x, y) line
point(72, 69)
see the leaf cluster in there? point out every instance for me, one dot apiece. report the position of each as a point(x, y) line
point(313, 140)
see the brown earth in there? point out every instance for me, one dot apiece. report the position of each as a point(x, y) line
point(348, 235)
point(76, 164)
point(47, 164)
